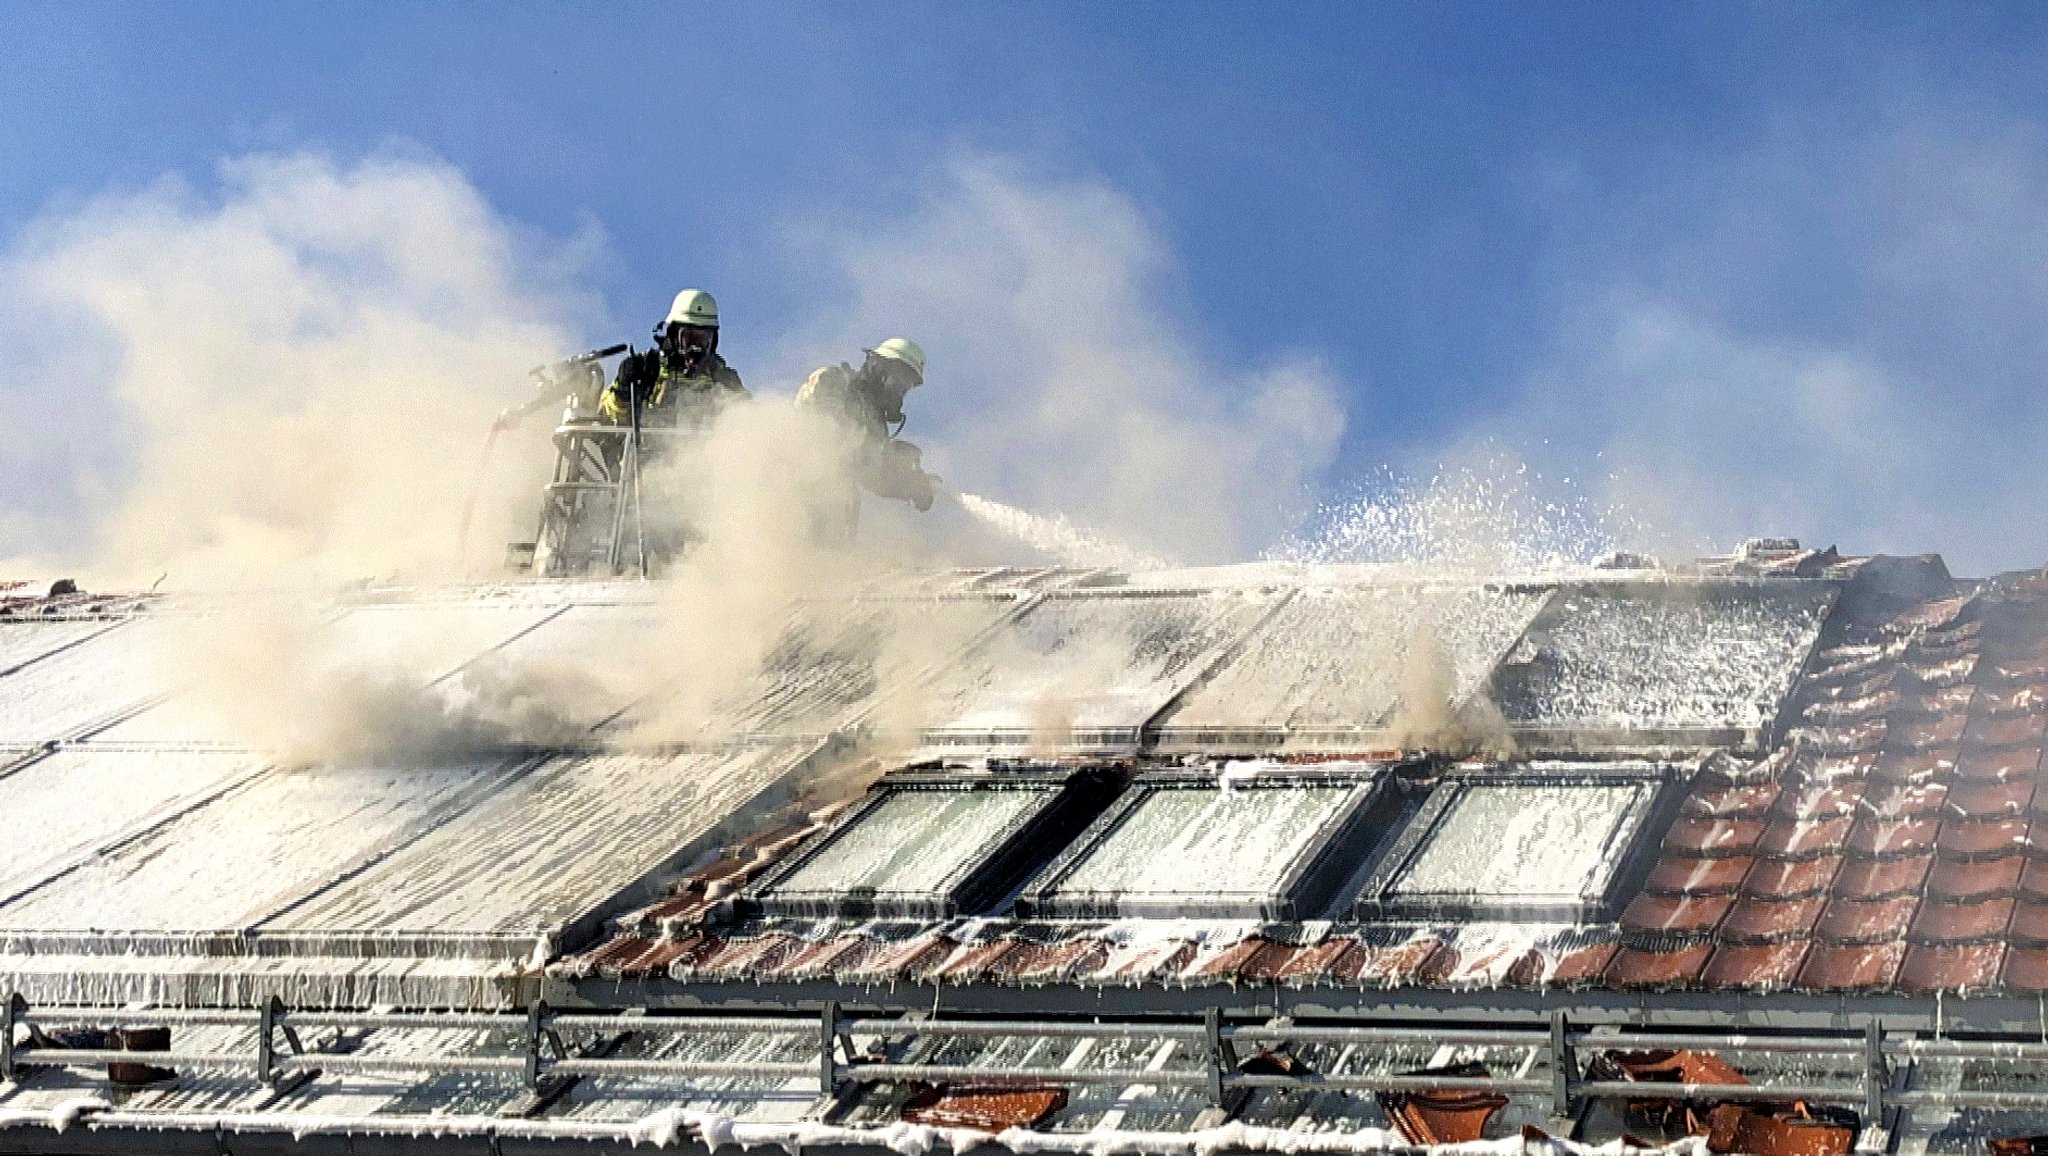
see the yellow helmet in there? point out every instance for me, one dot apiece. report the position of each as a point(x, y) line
point(904, 350)
point(693, 307)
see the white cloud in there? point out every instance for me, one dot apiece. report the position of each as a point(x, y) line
point(1833, 335)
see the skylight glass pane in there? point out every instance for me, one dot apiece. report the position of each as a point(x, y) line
point(913, 841)
point(1673, 658)
point(1521, 842)
point(1208, 841)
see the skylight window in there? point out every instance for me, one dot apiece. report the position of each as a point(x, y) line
point(934, 847)
point(1702, 661)
point(1274, 845)
point(1535, 846)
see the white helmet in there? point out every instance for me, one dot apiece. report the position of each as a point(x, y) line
point(693, 307)
point(904, 350)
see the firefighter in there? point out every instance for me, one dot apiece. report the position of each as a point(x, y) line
point(867, 405)
point(681, 382)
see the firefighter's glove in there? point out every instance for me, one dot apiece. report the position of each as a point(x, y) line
point(637, 375)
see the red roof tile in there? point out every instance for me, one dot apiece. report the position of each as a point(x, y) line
point(2000, 765)
point(1822, 799)
point(1985, 839)
point(1569, 968)
point(1936, 700)
point(1969, 921)
point(1713, 837)
point(1851, 967)
point(1975, 879)
point(1866, 921)
point(1768, 966)
point(1685, 875)
point(969, 962)
point(1917, 767)
point(1137, 962)
point(1748, 801)
point(1991, 800)
point(1330, 958)
point(2006, 730)
point(1796, 839)
point(1875, 878)
point(1791, 878)
point(1890, 838)
point(1968, 967)
point(1049, 962)
point(1682, 914)
point(1398, 966)
point(1679, 967)
point(1770, 921)
point(2030, 923)
point(1230, 962)
point(1905, 800)
point(2026, 969)
point(1927, 734)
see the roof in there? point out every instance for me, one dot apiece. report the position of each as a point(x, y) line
point(1883, 842)
point(1794, 792)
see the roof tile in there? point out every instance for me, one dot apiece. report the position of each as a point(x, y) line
point(1965, 967)
point(1334, 958)
point(1744, 801)
point(969, 962)
point(1927, 734)
point(1678, 967)
point(2030, 924)
point(1796, 839)
point(895, 961)
point(2000, 765)
point(1862, 878)
point(2026, 969)
point(1791, 878)
point(1755, 921)
point(1968, 921)
point(1916, 767)
point(1991, 800)
point(1709, 838)
point(1143, 960)
point(1958, 879)
point(1905, 800)
point(1891, 838)
point(2006, 730)
point(1048, 962)
point(1399, 965)
point(1766, 966)
point(1229, 963)
point(1681, 914)
point(1685, 875)
point(1821, 799)
point(1866, 921)
point(1851, 967)
point(2022, 698)
point(1572, 967)
point(1985, 839)
point(1934, 700)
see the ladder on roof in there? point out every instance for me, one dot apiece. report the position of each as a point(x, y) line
point(591, 519)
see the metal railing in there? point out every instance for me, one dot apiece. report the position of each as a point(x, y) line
point(541, 1058)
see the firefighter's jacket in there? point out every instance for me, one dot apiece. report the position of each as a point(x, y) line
point(886, 465)
point(676, 399)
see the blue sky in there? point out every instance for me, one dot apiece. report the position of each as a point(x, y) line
point(1663, 241)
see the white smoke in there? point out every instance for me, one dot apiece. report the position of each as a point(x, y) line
point(1058, 380)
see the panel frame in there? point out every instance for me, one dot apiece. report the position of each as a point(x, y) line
point(980, 883)
point(1311, 881)
point(1625, 854)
